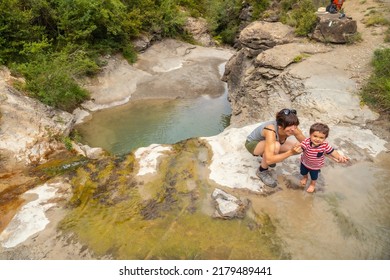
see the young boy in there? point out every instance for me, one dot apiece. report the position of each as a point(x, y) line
point(313, 157)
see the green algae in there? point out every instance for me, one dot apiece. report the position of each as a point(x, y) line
point(59, 166)
point(112, 217)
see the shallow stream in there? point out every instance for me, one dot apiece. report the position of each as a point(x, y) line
point(121, 129)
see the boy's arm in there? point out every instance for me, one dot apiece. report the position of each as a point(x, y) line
point(338, 157)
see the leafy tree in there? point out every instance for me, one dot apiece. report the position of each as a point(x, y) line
point(85, 21)
point(16, 30)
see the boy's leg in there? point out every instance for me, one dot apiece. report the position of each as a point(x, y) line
point(304, 173)
point(304, 180)
point(314, 177)
point(312, 186)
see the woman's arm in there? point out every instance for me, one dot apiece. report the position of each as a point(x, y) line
point(269, 150)
point(299, 135)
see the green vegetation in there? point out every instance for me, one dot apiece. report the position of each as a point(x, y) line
point(374, 18)
point(68, 143)
point(51, 77)
point(300, 57)
point(387, 35)
point(299, 14)
point(376, 92)
point(355, 38)
point(55, 43)
point(52, 43)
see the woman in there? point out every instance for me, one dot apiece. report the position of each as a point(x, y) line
point(269, 140)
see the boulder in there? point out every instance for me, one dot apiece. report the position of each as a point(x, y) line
point(87, 151)
point(260, 35)
point(228, 206)
point(334, 28)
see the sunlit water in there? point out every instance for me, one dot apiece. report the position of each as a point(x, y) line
point(140, 123)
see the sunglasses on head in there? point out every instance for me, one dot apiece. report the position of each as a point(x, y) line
point(289, 111)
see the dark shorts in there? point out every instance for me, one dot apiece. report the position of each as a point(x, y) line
point(251, 146)
point(313, 173)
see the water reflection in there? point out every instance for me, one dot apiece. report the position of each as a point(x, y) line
point(141, 123)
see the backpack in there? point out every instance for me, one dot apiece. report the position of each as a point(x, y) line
point(332, 8)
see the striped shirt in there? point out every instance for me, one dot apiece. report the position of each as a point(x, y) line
point(314, 157)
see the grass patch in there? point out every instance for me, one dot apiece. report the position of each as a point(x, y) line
point(376, 93)
point(373, 17)
point(354, 38)
point(300, 57)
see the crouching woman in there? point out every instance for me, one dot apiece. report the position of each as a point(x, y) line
point(269, 141)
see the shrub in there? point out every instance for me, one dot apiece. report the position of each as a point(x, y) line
point(130, 54)
point(223, 19)
point(354, 38)
point(51, 78)
point(299, 14)
point(259, 6)
point(67, 143)
point(196, 8)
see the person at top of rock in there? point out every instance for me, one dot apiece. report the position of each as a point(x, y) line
point(338, 3)
point(335, 6)
point(314, 149)
point(269, 140)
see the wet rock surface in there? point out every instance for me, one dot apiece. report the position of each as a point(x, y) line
point(229, 206)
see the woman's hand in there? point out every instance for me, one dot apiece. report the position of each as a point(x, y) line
point(296, 149)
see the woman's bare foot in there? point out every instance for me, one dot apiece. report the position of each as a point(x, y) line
point(311, 188)
point(303, 181)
